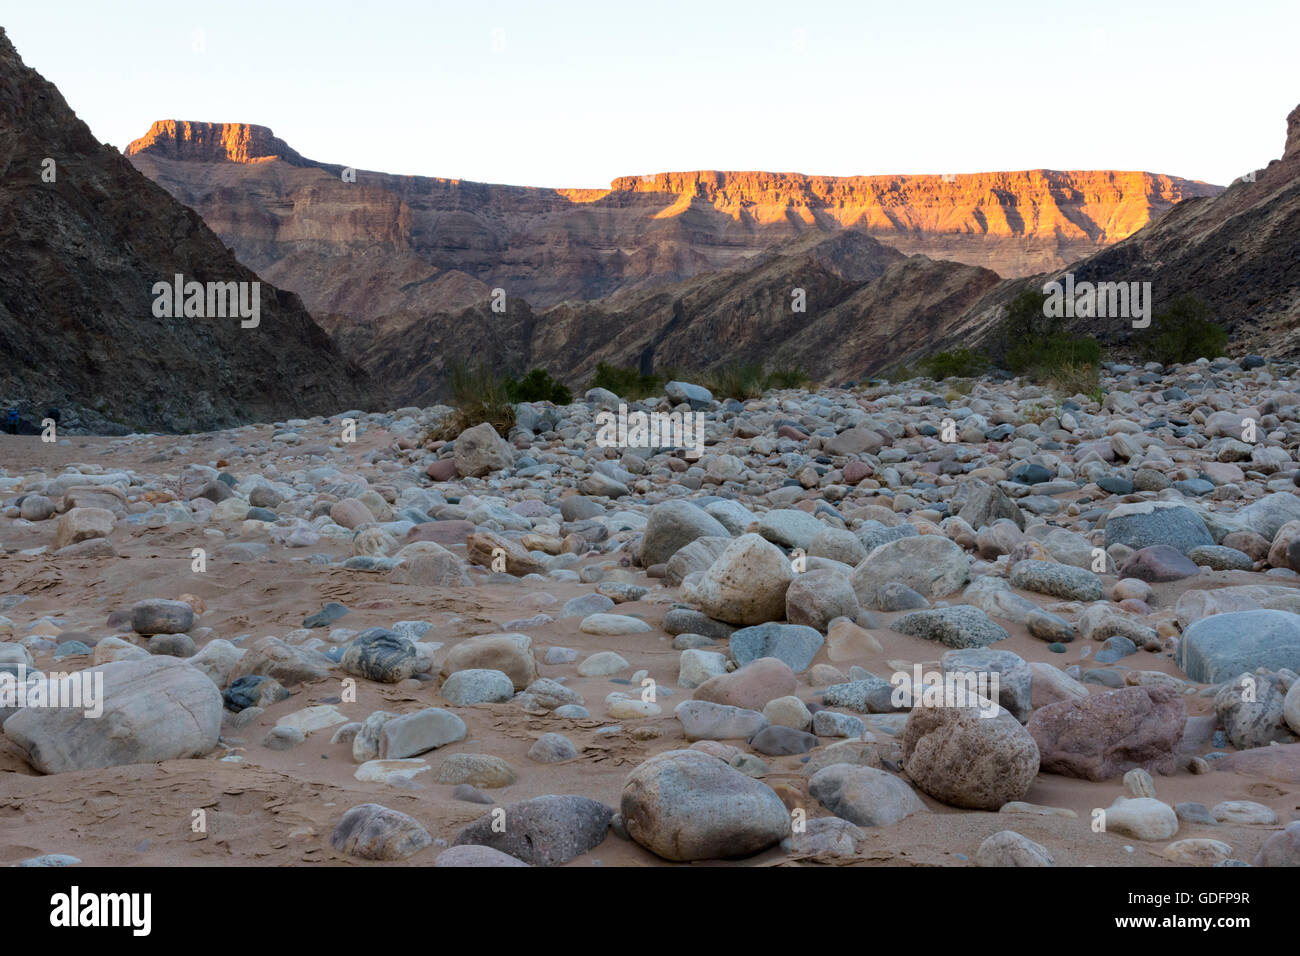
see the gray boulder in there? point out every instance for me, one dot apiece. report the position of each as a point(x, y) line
point(479, 451)
point(672, 526)
point(1141, 524)
point(959, 626)
point(156, 709)
point(686, 805)
point(929, 564)
point(1218, 648)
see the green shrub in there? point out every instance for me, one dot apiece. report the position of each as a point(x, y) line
point(1072, 379)
point(1183, 332)
point(788, 376)
point(738, 381)
point(1025, 315)
point(1044, 355)
point(958, 363)
point(538, 386)
point(629, 383)
point(1037, 345)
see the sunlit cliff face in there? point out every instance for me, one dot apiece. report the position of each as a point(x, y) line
point(384, 243)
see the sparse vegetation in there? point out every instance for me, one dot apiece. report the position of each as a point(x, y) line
point(957, 363)
point(478, 395)
point(629, 383)
point(1037, 346)
point(1183, 332)
point(1073, 379)
point(787, 376)
point(1037, 413)
point(738, 381)
point(743, 381)
point(538, 386)
point(958, 391)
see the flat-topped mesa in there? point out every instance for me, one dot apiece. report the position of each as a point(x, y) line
point(214, 142)
point(1130, 198)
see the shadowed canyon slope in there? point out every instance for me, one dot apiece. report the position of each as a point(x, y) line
point(865, 304)
point(1239, 251)
point(83, 252)
point(385, 243)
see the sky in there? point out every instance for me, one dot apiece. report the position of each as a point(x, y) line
point(574, 94)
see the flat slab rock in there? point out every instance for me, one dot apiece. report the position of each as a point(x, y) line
point(543, 831)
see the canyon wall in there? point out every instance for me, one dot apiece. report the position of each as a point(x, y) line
point(385, 244)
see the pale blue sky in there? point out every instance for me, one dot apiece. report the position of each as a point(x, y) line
point(576, 93)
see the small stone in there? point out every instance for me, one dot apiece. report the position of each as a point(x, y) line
point(418, 732)
point(863, 795)
point(552, 748)
point(1197, 852)
point(374, 832)
point(543, 831)
point(395, 773)
point(1008, 848)
point(782, 741)
point(684, 805)
point(705, 720)
point(156, 616)
point(1282, 848)
point(602, 664)
point(475, 856)
point(478, 770)
point(829, 723)
point(1245, 812)
point(1144, 818)
point(1139, 783)
point(382, 655)
point(82, 524)
point(477, 686)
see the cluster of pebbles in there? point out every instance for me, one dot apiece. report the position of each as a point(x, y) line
point(539, 649)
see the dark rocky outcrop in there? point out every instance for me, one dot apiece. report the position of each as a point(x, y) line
point(82, 254)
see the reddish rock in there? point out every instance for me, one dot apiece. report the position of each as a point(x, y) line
point(855, 471)
point(1105, 735)
point(965, 758)
point(1281, 849)
point(1248, 542)
point(1286, 536)
point(752, 686)
point(1135, 606)
point(350, 513)
point(445, 533)
point(1159, 563)
point(789, 431)
point(1280, 762)
point(856, 441)
point(444, 469)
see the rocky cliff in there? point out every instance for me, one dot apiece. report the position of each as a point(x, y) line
point(387, 244)
point(86, 237)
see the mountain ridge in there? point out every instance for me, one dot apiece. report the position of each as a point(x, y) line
point(87, 238)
